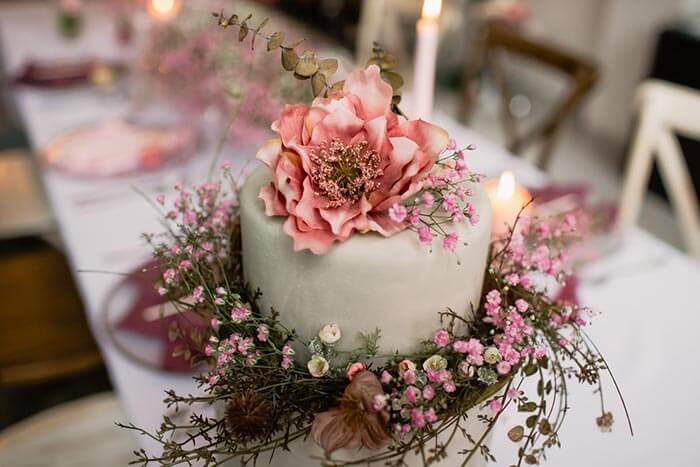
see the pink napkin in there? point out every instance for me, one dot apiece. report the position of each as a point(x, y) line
point(134, 320)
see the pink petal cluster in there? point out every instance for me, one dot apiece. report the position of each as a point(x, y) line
point(359, 116)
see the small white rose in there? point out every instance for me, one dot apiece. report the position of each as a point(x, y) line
point(492, 355)
point(318, 366)
point(330, 334)
point(435, 363)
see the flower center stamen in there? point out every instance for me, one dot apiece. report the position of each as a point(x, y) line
point(343, 173)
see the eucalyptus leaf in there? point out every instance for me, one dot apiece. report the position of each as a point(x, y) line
point(242, 31)
point(289, 59)
point(531, 421)
point(337, 86)
point(275, 40)
point(393, 78)
point(516, 433)
point(318, 83)
point(328, 67)
point(307, 64)
point(528, 407)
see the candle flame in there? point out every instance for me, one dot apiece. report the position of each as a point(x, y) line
point(506, 186)
point(163, 6)
point(431, 9)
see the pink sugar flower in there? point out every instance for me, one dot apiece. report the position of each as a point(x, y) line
point(424, 235)
point(355, 368)
point(539, 352)
point(428, 392)
point(389, 158)
point(215, 324)
point(414, 217)
point(225, 165)
point(213, 379)
point(398, 213)
point(185, 264)
point(406, 365)
point(428, 199)
point(441, 338)
point(476, 360)
point(451, 144)
point(496, 405)
point(460, 347)
point(162, 291)
point(474, 219)
point(160, 199)
point(449, 386)
point(450, 241)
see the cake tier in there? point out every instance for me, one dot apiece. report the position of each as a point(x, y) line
point(368, 282)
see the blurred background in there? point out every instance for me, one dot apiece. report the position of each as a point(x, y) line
point(556, 82)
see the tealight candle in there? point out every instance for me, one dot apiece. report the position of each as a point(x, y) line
point(164, 10)
point(427, 34)
point(507, 200)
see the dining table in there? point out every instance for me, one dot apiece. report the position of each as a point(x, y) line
point(648, 323)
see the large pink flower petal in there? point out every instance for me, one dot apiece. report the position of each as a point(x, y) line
point(291, 123)
point(381, 223)
point(373, 95)
point(289, 179)
point(430, 138)
point(274, 204)
point(403, 150)
point(338, 217)
point(269, 153)
point(318, 241)
point(305, 209)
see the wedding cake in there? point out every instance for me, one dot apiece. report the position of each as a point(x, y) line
point(368, 282)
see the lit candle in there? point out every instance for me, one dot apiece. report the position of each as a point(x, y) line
point(164, 10)
point(427, 32)
point(507, 200)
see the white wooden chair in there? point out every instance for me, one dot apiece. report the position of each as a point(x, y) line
point(23, 206)
point(665, 110)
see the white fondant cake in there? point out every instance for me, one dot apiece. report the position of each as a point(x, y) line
point(368, 282)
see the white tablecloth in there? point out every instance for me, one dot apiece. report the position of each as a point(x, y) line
point(645, 290)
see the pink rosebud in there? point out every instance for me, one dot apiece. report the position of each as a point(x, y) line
point(162, 291)
point(225, 165)
point(398, 213)
point(428, 199)
point(496, 405)
point(355, 368)
point(441, 338)
point(411, 394)
point(213, 379)
point(428, 392)
point(539, 352)
point(409, 377)
point(160, 199)
point(215, 324)
point(451, 144)
point(449, 386)
point(386, 377)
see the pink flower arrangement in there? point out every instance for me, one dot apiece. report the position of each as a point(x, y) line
point(341, 163)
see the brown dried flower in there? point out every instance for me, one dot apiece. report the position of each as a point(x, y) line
point(605, 421)
point(249, 417)
point(354, 422)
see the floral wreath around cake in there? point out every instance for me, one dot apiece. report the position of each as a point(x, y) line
point(348, 164)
